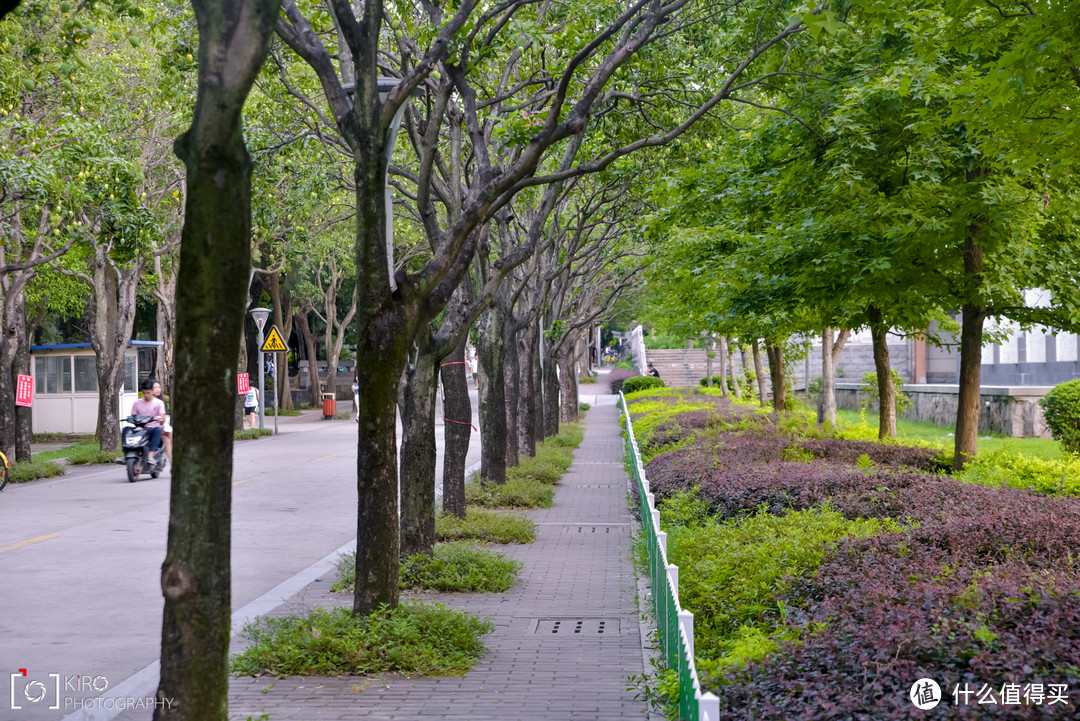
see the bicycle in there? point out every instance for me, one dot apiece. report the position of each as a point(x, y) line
point(4, 469)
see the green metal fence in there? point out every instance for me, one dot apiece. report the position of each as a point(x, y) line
point(675, 626)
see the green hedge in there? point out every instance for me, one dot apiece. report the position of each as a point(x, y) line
point(1061, 406)
point(640, 383)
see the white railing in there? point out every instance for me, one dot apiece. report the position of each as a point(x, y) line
point(675, 625)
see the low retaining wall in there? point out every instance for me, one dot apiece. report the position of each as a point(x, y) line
point(1011, 411)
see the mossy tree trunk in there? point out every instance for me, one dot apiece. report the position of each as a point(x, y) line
point(973, 315)
point(491, 352)
point(759, 373)
point(735, 388)
point(214, 253)
point(418, 452)
point(883, 367)
point(457, 431)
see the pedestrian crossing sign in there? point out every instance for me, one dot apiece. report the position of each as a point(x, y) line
point(274, 342)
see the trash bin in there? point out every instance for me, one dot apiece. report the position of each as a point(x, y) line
point(329, 406)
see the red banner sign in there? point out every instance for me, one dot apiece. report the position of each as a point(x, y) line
point(24, 391)
point(242, 384)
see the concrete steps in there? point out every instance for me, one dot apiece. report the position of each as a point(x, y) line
point(679, 367)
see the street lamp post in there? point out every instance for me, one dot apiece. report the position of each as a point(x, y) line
point(260, 315)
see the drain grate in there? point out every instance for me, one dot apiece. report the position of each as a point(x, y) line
point(577, 627)
point(599, 528)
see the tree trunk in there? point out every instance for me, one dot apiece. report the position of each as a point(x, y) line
point(114, 320)
point(490, 353)
point(552, 394)
point(746, 370)
point(512, 391)
point(308, 339)
point(165, 292)
point(709, 353)
point(973, 314)
point(777, 375)
point(24, 431)
point(215, 251)
point(279, 298)
point(886, 391)
point(9, 346)
point(418, 454)
point(722, 350)
point(457, 429)
point(826, 405)
point(568, 399)
point(527, 391)
point(759, 373)
point(539, 394)
point(830, 354)
point(735, 388)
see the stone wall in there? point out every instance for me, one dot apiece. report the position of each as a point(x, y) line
point(858, 358)
point(1009, 410)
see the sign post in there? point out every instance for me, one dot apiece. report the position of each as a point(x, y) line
point(24, 391)
point(275, 344)
point(260, 315)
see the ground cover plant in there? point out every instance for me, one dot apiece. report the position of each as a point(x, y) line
point(414, 639)
point(80, 454)
point(485, 526)
point(24, 471)
point(454, 566)
point(827, 574)
point(531, 483)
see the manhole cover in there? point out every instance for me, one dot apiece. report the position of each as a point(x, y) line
point(577, 627)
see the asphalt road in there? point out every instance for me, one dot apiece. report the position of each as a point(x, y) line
point(80, 557)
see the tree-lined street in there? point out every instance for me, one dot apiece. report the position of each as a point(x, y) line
point(80, 555)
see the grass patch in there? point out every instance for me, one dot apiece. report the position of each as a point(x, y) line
point(460, 566)
point(485, 526)
point(249, 434)
point(516, 493)
point(343, 416)
point(908, 430)
point(23, 471)
point(414, 639)
point(582, 407)
point(457, 566)
point(81, 454)
point(530, 483)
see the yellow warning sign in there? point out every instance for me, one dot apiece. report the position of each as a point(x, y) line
point(273, 342)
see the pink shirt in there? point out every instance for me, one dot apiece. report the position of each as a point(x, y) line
point(152, 407)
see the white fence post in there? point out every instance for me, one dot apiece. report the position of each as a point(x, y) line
point(673, 576)
point(661, 540)
point(686, 620)
point(709, 707)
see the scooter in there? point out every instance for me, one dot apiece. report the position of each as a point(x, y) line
point(135, 442)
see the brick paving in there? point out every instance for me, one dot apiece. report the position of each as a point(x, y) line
point(579, 569)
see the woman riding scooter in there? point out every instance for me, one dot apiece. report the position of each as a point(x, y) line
point(150, 405)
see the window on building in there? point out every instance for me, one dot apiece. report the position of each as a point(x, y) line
point(86, 374)
point(131, 378)
point(53, 374)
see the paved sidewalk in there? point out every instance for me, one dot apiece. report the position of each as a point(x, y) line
point(578, 573)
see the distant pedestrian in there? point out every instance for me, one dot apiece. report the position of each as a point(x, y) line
point(356, 396)
point(251, 406)
point(653, 372)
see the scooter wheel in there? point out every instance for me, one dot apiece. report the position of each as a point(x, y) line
point(134, 468)
point(155, 474)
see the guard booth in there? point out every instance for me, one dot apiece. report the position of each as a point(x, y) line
point(66, 387)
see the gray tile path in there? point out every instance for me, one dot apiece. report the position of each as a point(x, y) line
point(579, 570)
